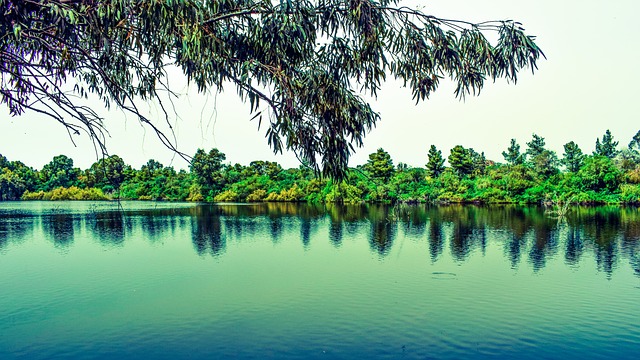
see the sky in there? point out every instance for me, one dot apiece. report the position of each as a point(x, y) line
point(587, 84)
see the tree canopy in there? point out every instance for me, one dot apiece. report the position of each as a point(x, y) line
point(303, 65)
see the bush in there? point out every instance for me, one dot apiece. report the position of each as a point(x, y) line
point(195, 193)
point(71, 193)
point(630, 194)
point(226, 196)
point(257, 195)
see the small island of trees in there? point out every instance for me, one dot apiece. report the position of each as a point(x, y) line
point(532, 175)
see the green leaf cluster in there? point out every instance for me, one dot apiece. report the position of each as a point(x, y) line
point(304, 66)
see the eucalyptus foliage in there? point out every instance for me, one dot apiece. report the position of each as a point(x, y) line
point(302, 65)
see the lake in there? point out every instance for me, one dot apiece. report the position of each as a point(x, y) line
point(102, 280)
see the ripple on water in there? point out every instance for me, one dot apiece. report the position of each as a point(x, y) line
point(356, 300)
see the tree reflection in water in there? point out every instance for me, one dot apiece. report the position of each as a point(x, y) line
point(574, 245)
point(545, 243)
point(109, 226)
point(610, 235)
point(60, 228)
point(436, 237)
point(206, 231)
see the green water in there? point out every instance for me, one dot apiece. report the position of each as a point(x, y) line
point(165, 280)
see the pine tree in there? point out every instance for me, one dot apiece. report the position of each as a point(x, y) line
point(479, 162)
point(513, 155)
point(380, 166)
point(435, 165)
point(461, 160)
point(607, 147)
point(573, 157)
point(635, 142)
point(536, 146)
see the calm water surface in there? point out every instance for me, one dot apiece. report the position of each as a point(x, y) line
point(165, 281)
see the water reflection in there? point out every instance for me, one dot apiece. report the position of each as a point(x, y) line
point(305, 232)
point(574, 245)
point(436, 237)
point(206, 231)
point(336, 233)
point(545, 243)
point(383, 232)
point(60, 228)
point(109, 226)
point(156, 227)
point(275, 228)
point(14, 229)
point(514, 249)
point(607, 235)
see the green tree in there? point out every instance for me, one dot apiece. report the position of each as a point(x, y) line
point(607, 147)
point(634, 144)
point(59, 173)
point(461, 160)
point(107, 173)
point(3, 162)
point(435, 163)
point(27, 174)
point(573, 157)
point(513, 156)
point(599, 173)
point(627, 159)
point(151, 167)
point(544, 161)
point(545, 164)
point(536, 146)
point(305, 60)
point(479, 162)
point(208, 171)
point(380, 166)
point(12, 186)
point(268, 168)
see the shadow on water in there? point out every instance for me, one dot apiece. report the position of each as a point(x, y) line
point(383, 229)
point(574, 245)
point(60, 228)
point(206, 231)
point(156, 227)
point(109, 226)
point(610, 235)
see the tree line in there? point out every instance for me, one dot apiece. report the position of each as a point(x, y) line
point(610, 174)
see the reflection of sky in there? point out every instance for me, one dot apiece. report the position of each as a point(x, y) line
point(586, 86)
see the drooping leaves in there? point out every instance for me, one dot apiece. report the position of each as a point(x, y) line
point(304, 64)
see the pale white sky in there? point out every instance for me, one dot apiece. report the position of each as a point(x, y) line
point(587, 84)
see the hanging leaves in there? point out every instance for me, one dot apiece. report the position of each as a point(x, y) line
point(307, 61)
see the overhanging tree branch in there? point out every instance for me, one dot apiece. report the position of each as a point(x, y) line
point(313, 58)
